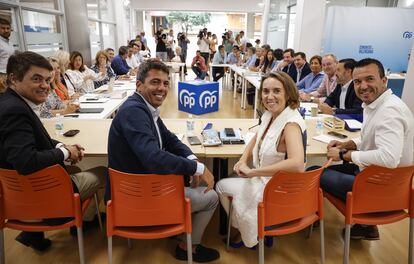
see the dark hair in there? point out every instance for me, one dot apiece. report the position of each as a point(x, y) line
point(301, 54)
point(253, 49)
point(20, 63)
point(72, 58)
point(257, 41)
point(368, 61)
point(220, 46)
point(4, 22)
point(291, 51)
point(248, 45)
point(236, 47)
point(266, 47)
point(316, 57)
point(123, 50)
point(349, 64)
point(267, 62)
point(148, 65)
point(278, 54)
point(292, 95)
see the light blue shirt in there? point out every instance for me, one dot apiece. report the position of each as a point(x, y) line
point(231, 59)
point(218, 59)
point(251, 61)
point(311, 82)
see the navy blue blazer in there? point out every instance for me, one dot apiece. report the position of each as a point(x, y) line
point(305, 71)
point(134, 147)
point(291, 70)
point(352, 102)
point(25, 145)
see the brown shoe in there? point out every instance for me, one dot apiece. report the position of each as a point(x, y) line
point(365, 232)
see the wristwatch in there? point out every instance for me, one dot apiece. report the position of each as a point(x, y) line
point(341, 153)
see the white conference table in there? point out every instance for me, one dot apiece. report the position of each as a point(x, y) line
point(179, 65)
point(110, 101)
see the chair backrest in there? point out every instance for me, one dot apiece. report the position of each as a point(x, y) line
point(290, 196)
point(47, 193)
point(378, 189)
point(146, 199)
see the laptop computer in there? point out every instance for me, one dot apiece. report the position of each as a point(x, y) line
point(90, 110)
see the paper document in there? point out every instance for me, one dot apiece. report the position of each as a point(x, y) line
point(326, 138)
point(353, 124)
point(180, 136)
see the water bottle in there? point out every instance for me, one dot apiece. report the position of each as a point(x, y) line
point(319, 126)
point(58, 125)
point(190, 125)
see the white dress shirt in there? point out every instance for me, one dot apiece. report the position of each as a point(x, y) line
point(6, 50)
point(387, 134)
point(155, 112)
point(342, 96)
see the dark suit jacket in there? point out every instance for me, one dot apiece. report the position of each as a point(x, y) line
point(352, 102)
point(305, 71)
point(291, 70)
point(134, 147)
point(25, 145)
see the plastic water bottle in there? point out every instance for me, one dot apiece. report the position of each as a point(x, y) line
point(58, 125)
point(319, 126)
point(190, 125)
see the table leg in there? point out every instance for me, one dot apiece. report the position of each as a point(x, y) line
point(220, 171)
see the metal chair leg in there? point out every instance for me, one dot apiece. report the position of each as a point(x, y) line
point(110, 250)
point(2, 253)
point(189, 249)
point(346, 243)
point(98, 213)
point(410, 242)
point(322, 230)
point(229, 225)
point(129, 243)
point(310, 231)
point(261, 250)
point(80, 243)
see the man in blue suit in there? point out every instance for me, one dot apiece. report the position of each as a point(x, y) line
point(139, 142)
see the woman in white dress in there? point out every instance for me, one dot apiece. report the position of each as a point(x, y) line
point(277, 145)
point(80, 76)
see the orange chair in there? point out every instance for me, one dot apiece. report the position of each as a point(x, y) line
point(47, 193)
point(379, 196)
point(291, 202)
point(147, 206)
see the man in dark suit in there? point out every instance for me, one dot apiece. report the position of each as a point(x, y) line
point(288, 65)
point(25, 145)
point(302, 66)
point(343, 99)
point(139, 142)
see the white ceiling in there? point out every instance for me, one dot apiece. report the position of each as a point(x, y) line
point(199, 5)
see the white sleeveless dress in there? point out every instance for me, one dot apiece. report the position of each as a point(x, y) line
point(246, 200)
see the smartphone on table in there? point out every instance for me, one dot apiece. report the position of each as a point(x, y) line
point(71, 133)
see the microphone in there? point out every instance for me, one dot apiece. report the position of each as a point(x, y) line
point(259, 113)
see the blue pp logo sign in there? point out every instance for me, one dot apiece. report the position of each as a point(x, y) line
point(407, 35)
point(187, 99)
point(207, 99)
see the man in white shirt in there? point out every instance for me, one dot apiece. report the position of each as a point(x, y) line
point(386, 137)
point(131, 60)
point(6, 50)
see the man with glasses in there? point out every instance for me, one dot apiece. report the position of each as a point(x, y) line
point(6, 50)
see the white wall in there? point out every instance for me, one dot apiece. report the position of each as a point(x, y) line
point(309, 26)
point(408, 91)
point(199, 5)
